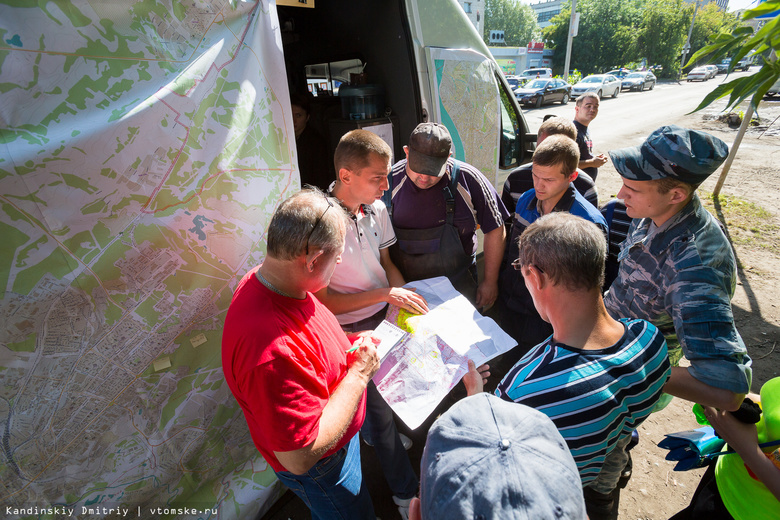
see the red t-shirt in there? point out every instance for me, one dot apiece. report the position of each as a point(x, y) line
point(282, 359)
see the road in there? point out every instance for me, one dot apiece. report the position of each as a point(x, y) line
point(629, 118)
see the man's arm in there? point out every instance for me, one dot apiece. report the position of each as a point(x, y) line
point(494, 243)
point(394, 276)
point(743, 439)
point(682, 384)
point(596, 162)
point(342, 303)
point(339, 412)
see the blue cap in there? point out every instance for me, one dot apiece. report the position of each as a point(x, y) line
point(672, 151)
point(492, 459)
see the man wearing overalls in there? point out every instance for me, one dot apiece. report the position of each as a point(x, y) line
point(438, 203)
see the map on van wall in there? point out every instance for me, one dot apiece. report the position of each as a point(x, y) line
point(145, 147)
point(465, 85)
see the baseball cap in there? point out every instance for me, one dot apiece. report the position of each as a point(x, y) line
point(429, 148)
point(672, 151)
point(492, 459)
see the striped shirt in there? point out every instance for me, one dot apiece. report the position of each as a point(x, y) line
point(594, 397)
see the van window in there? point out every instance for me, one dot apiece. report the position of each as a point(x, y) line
point(324, 79)
point(510, 146)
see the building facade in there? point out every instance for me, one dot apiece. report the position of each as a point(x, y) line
point(546, 9)
point(475, 11)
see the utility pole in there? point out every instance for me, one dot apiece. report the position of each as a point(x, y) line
point(573, 22)
point(687, 46)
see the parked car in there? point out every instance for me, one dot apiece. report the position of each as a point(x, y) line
point(602, 84)
point(619, 73)
point(535, 73)
point(723, 66)
point(540, 91)
point(774, 90)
point(639, 81)
point(699, 73)
point(744, 63)
point(713, 70)
point(514, 82)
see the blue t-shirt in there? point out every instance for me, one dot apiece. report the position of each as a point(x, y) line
point(594, 397)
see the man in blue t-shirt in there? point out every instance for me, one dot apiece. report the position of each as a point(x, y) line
point(554, 170)
point(597, 378)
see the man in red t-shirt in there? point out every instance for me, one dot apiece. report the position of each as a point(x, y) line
point(285, 360)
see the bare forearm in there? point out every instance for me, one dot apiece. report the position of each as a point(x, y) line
point(763, 468)
point(334, 422)
point(394, 276)
point(341, 303)
point(683, 385)
point(494, 244)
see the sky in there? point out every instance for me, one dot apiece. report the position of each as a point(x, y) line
point(741, 4)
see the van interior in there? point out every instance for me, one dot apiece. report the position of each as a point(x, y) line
point(337, 43)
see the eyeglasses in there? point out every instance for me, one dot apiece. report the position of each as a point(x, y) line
point(518, 266)
point(317, 223)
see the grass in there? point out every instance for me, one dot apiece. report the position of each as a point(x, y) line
point(747, 223)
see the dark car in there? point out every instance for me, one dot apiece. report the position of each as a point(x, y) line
point(619, 73)
point(639, 81)
point(540, 91)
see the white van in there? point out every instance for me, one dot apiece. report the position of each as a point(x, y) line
point(431, 63)
point(536, 73)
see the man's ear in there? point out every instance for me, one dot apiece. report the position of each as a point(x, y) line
point(344, 175)
point(312, 258)
point(406, 151)
point(574, 176)
point(678, 194)
point(534, 276)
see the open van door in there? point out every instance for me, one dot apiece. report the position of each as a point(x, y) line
point(467, 103)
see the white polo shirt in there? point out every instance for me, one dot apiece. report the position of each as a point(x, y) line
point(360, 270)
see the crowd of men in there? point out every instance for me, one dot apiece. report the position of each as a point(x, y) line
point(595, 356)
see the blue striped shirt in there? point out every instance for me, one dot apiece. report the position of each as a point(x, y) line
point(594, 397)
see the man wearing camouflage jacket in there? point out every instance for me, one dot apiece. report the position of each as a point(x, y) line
point(677, 270)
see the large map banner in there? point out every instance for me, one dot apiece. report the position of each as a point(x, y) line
point(143, 147)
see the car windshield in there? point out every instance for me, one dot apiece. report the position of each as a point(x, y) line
point(593, 79)
point(698, 70)
point(536, 84)
point(634, 75)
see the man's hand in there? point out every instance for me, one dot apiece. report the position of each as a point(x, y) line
point(740, 436)
point(600, 160)
point(363, 361)
point(475, 378)
point(487, 293)
point(408, 300)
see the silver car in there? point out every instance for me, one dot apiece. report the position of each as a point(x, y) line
point(603, 85)
point(699, 73)
point(639, 81)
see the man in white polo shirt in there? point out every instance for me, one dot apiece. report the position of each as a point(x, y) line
point(366, 281)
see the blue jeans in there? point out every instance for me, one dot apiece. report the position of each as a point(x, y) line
point(334, 488)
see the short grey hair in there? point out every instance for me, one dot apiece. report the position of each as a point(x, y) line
point(568, 249)
point(308, 212)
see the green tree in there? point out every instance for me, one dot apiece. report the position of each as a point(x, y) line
point(663, 32)
point(606, 35)
point(710, 20)
point(517, 20)
point(742, 42)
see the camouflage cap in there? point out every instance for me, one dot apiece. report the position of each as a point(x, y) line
point(672, 151)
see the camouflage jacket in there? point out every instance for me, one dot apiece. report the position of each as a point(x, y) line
point(681, 277)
